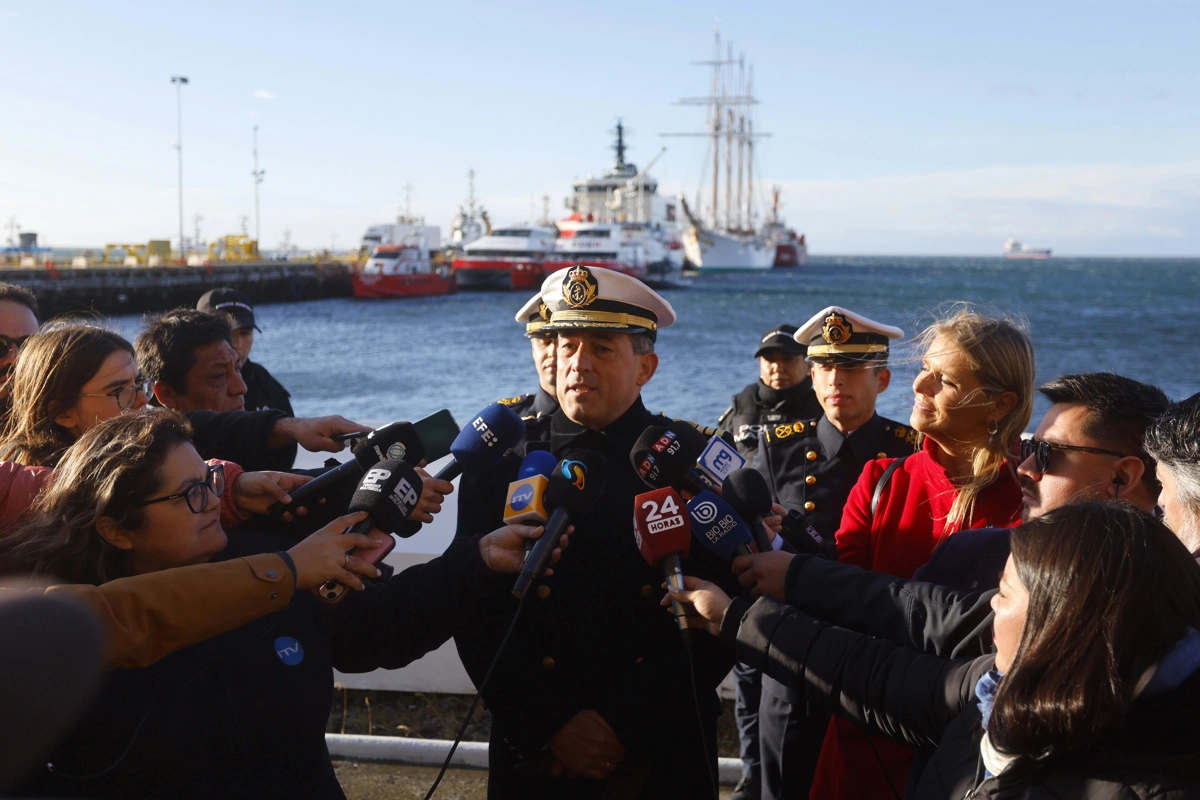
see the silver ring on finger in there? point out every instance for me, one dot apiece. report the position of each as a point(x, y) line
point(347, 559)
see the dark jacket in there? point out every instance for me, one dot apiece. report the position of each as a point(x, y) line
point(811, 467)
point(593, 636)
point(241, 437)
point(923, 700)
point(531, 406)
point(758, 407)
point(243, 715)
point(969, 561)
point(263, 391)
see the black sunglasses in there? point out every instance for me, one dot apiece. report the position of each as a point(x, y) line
point(196, 494)
point(7, 343)
point(1040, 449)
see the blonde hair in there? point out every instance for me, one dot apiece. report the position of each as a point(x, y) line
point(1000, 355)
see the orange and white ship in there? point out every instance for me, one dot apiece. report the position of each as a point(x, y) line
point(506, 258)
point(401, 270)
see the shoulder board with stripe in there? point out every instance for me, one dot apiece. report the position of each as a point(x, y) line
point(514, 401)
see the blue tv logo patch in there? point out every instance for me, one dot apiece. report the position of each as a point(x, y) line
point(521, 497)
point(289, 650)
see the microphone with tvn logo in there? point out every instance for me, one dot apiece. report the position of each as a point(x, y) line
point(480, 445)
point(398, 440)
point(718, 527)
point(746, 491)
point(388, 493)
point(574, 487)
point(664, 535)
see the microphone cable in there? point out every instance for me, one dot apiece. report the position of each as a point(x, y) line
point(512, 626)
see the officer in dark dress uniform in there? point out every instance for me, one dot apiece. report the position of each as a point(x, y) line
point(782, 394)
point(592, 696)
point(263, 391)
point(811, 466)
point(543, 402)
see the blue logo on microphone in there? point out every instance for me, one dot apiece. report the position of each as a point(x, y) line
point(576, 472)
point(289, 650)
point(521, 497)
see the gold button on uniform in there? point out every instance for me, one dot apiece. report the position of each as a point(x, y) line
point(810, 505)
point(811, 455)
point(547, 663)
point(881, 454)
point(810, 479)
point(543, 592)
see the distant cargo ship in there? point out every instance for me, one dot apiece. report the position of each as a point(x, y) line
point(1014, 249)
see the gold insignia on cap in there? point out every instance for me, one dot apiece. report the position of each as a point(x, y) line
point(837, 329)
point(544, 312)
point(580, 288)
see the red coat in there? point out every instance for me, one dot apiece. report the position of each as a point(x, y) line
point(19, 484)
point(909, 522)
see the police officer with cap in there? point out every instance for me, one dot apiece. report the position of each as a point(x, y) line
point(543, 402)
point(782, 394)
point(592, 696)
point(262, 389)
point(811, 466)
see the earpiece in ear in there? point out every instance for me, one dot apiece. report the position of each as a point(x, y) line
point(1117, 482)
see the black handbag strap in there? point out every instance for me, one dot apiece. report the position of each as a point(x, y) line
point(883, 481)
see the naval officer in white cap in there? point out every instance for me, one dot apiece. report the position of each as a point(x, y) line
point(592, 696)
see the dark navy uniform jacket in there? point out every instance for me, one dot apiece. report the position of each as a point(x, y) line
point(593, 636)
point(539, 404)
point(811, 468)
point(759, 407)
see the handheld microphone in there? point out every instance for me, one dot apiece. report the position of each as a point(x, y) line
point(574, 487)
point(747, 492)
point(666, 456)
point(664, 535)
point(480, 445)
point(718, 527)
point(397, 440)
point(718, 460)
point(526, 495)
point(805, 538)
point(388, 492)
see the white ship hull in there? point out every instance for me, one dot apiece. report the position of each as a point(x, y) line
point(711, 251)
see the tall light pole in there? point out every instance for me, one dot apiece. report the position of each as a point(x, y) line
point(258, 178)
point(180, 81)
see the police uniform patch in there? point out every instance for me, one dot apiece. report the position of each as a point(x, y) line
point(579, 287)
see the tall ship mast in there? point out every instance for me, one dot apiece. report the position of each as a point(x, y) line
point(723, 235)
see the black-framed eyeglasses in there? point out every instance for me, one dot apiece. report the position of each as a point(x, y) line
point(7, 343)
point(126, 396)
point(1040, 449)
point(196, 494)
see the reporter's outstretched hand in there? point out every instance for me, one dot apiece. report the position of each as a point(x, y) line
point(764, 573)
point(503, 549)
point(313, 433)
point(322, 556)
point(705, 598)
point(255, 492)
point(433, 494)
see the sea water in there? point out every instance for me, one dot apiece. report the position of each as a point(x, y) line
point(402, 359)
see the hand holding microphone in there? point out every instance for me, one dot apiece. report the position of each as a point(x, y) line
point(572, 490)
point(664, 536)
point(388, 492)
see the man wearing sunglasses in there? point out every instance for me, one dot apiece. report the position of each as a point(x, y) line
point(18, 321)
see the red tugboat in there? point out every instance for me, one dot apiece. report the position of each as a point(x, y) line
point(401, 270)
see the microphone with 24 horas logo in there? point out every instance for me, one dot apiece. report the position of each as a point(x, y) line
point(718, 527)
point(388, 492)
point(397, 440)
point(664, 535)
point(481, 445)
point(666, 456)
point(574, 487)
point(746, 491)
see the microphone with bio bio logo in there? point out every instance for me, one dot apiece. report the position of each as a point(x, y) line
point(718, 527)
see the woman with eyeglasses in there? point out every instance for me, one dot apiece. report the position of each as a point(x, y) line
point(242, 714)
point(1091, 693)
point(68, 378)
point(973, 398)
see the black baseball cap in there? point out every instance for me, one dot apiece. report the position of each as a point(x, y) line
point(783, 338)
point(229, 301)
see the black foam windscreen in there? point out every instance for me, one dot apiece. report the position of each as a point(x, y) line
point(576, 482)
point(388, 492)
point(664, 455)
point(746, 490)
point(398, 440)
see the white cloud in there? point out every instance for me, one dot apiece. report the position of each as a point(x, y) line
point(265, 94)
